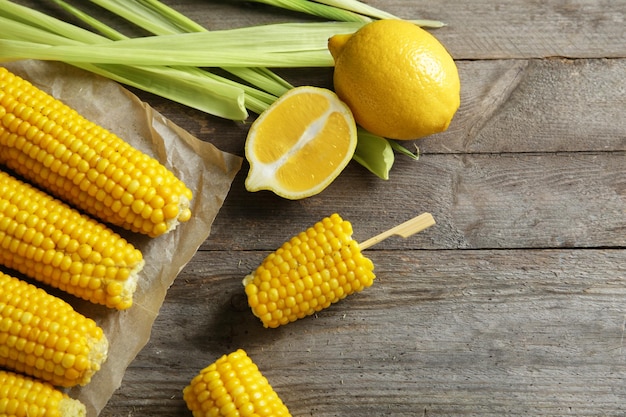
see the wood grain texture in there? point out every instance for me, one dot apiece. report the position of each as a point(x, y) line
point(479, 202)
point(513, 304)
point(531, 106)
point(490, 332)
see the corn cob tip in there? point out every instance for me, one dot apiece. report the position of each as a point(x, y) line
point(311, 271)
point(233, 385)
point(121, 293)
point(44, 337)
point(183, 214)
point(47, 240)
point(69, 407)
point(27, 397)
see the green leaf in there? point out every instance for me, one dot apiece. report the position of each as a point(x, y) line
point(404, 151)
point(374, 153)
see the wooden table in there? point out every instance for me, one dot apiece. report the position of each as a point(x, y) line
point(513, 304)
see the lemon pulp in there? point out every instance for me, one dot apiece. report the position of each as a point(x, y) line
point(300, 144)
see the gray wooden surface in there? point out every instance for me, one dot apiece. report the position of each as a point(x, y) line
point(513, 304)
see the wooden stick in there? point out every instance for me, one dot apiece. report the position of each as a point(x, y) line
point(406, 229)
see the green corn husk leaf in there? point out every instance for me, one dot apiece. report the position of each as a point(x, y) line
point(254, 99)
point(100, 27)
point(210, 96)
point(262, 78)
point(404, 151)
point(374, 153)
point(358, 7)
point(144, 17)
point(317, 9)
point(343, 11)
point(225, 101)
point(284, 45)
point(13, 50)
point(169, 14)
point(165, 20)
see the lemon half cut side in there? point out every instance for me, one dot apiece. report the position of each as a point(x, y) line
point(300, 144)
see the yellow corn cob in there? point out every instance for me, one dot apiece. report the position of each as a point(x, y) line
point(21, 396)
point(233, 386)
point(44, 337)
point(80, 162)
point(314, 269)
point(47, 240)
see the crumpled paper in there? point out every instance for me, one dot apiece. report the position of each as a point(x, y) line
point(206, 170)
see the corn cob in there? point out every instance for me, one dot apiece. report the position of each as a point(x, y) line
point(82, 163)
point(44, 337)
point(21, 396)
point(47, 240)
point(233, 386)
point(308, 273)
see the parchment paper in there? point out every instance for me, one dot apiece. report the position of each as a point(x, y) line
point(206, 170)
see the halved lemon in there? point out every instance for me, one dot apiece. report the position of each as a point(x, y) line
point(300, 144)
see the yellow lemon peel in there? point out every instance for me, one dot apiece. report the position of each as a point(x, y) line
point(399, 81)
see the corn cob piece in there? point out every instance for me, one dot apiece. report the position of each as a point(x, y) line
point(308, 273)
point(26, 397)
point(85, 165)
point(44, 337)
point(47, 240)
point(233, 386)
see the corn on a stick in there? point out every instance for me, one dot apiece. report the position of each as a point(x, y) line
point(316, 268)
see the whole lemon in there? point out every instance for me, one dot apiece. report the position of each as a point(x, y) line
point(398, 79)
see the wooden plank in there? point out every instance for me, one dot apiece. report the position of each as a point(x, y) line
point(489, 333)
point(531, 106)
point(478, 200)
point(485, 29)
point(480, 29)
